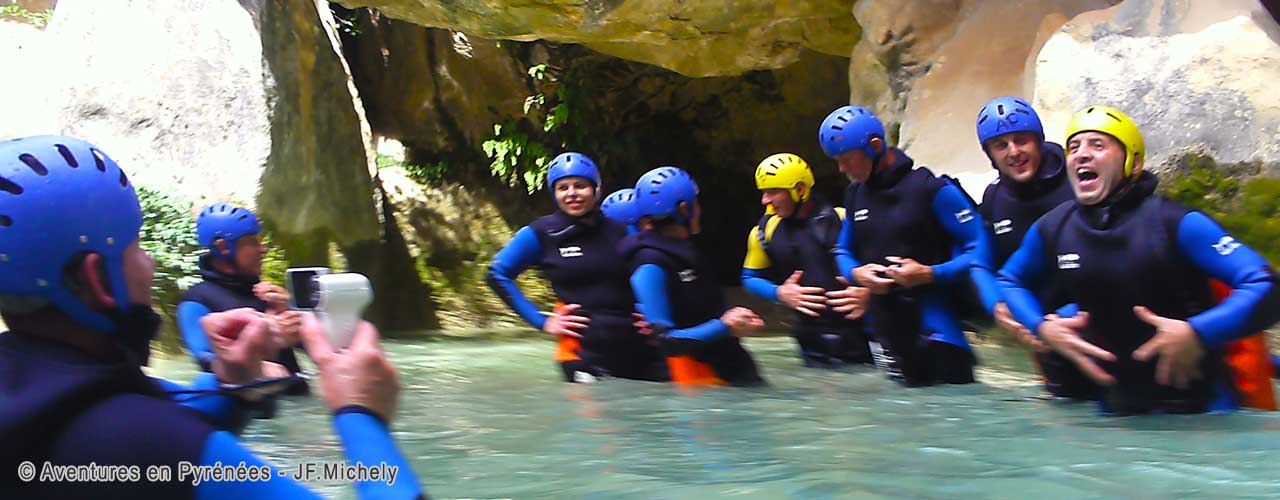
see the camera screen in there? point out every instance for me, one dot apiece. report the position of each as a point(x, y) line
point(302, 285)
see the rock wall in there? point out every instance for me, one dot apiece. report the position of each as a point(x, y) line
point(1196, 76)
point(694, 38)
point(248, 101)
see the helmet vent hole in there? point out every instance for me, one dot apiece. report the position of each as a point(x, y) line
point(837, 127)
point(243, 217)
point(983, 119)
point(1114, 117)
point(124, 179)
point(67, 156)
point(999, 109)
point(1023, 111)
point(1022, 102)
point(8, 186)
point(98, 160)
point(34, 164)
point(5, 221)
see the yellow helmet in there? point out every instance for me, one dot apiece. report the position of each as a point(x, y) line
point(784, 171)
point(1114, 123)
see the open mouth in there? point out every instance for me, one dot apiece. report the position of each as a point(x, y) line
point(1086, 177)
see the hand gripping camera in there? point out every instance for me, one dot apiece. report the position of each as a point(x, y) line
point(337, 299)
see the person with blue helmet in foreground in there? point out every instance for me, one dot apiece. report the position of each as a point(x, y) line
point(75, 290)
point(898, 242)
point(1032, 181)
point(677, 291)
point(789, 261)
point(231, 271)
point(1138, 266)
point(575, 248)
point(621, 206)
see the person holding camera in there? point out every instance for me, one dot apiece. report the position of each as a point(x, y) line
point(575, 247)
point(231, 273)
point(75, 289)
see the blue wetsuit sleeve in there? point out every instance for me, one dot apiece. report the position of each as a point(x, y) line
point(1253, 285)
point(1068, 311)
point(1021, 275)
point(367, 440)
point(962, 221)
point(222, 448)
point(756, 283)
point(522, 252)
point(189, 314)
point(983, 272)
point(845, 261)
point(649, 282)
point(221, 410)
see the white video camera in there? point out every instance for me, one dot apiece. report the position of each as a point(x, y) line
point(337, 299)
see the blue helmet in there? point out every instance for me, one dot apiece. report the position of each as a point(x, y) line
point(226, 222)
point(621, 206)
point(660, 191)
point(1005, 115)
point(61, 197)
point(850, 128)
point(571, 165)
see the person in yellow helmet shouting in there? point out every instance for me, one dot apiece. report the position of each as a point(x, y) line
point(789, 262)
point(1138, 266)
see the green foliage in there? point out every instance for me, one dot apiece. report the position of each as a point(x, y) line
point(520, 155)
point(515, 158)
point(1249, 210)
point(421, 173)
point(13, 11)
point(275, 262)
point(169, 235)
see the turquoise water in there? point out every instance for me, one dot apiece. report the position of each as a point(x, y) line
point(491, 419)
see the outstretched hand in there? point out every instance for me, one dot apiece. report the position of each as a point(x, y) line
point(806, 299)
point(1177, 346)
point(850, 301)
point(1063, 335)
point(564, 322)
point(1006, 322)
point(742, 322)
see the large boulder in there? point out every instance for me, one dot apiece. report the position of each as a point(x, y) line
point(436, 90)
point(928, 66)
point(703, 38)
point(1198, 77)
point(211, 101)
point(249, 101)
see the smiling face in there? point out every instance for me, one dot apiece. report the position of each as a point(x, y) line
point(576, 196)
point(1096, 164)
point(1016, 155)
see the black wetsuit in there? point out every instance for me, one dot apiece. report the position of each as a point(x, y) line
point(776, 248)
point(681, 298)
point(579, 257)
